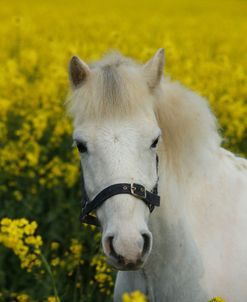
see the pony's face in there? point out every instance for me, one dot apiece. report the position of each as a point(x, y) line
point(116, 133)
point(121, 152)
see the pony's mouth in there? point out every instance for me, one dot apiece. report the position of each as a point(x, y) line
point(121, 265)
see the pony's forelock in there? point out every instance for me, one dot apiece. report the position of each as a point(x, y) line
point(115, 87)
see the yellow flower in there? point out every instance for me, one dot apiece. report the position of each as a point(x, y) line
point(5, 221)
point(217, 299)
point(76, 247)
point(18, 196)
point(102, 275)
point(55, 261)
point(22, 298)
point(78, 284)
point(53, 299)
point(54, 245)
point(135, 296)
point(30, 228)
point(19, 236)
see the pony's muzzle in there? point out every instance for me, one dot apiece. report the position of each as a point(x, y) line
point(126, 254)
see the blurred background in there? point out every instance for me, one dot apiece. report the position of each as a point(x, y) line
point(44, 250)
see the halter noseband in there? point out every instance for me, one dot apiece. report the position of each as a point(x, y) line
point(150, 198)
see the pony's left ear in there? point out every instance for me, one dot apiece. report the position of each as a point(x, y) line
point(78, 72)
point(153, 69)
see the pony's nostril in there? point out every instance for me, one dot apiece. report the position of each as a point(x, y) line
point(146, 243)
point(110, 248)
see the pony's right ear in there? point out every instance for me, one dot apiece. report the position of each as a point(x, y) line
point(153, 69)
point(78, 72)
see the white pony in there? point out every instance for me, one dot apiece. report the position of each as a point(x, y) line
point(194, 246)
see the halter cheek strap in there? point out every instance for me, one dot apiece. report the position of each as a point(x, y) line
point(136, 190)
point(150, 198)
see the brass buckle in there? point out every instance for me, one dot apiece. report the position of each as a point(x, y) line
point(141, 192)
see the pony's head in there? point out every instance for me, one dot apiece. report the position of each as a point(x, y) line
point(116, 132)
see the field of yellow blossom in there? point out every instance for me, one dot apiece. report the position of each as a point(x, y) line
point(46, 255)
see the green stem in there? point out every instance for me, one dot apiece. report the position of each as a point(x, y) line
point(75, 289)
point(49, 271)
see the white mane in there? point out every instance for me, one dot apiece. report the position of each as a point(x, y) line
point(188, 126)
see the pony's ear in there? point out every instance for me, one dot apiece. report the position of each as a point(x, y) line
point(78, 72)
point(153, 69)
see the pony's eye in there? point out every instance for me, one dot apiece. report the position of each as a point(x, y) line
point(82, 148)
point(155, 142)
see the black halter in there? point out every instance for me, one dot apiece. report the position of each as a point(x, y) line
point(150, 198)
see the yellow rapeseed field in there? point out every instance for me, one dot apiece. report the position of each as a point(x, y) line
point(45, 254)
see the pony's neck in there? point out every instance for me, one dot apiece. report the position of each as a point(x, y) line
point(175, 256)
